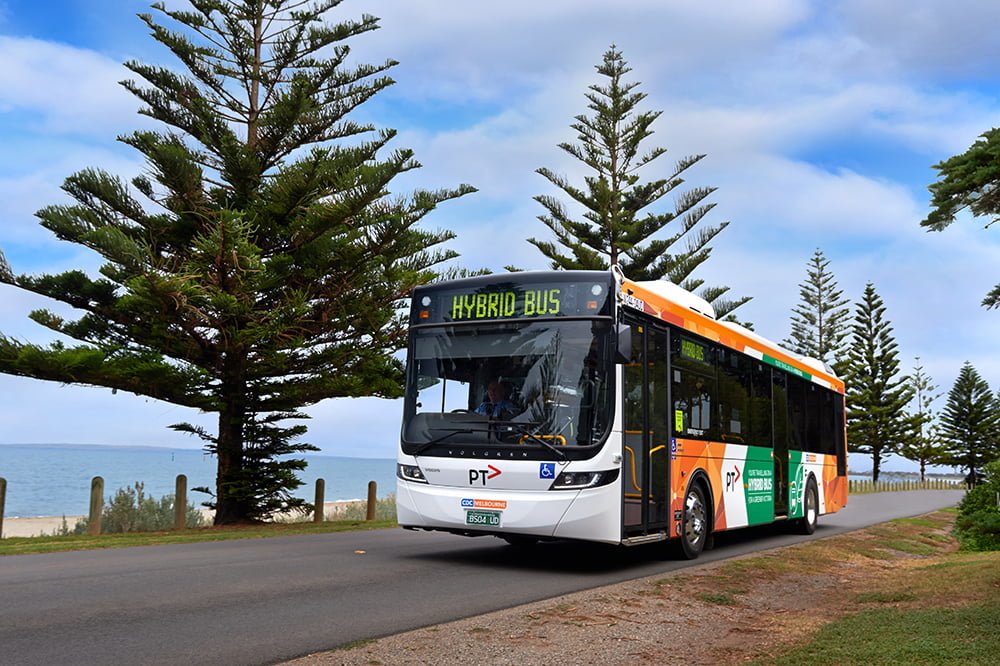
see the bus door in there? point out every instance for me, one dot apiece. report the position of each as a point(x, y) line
point(646, 454)
point(782, 433)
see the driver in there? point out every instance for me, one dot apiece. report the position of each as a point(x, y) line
point(497, 403)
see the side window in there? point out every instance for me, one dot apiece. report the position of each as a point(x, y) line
point(782, 416)
point(734, 396)
point(797, 412)
point(814, 418)
point(838, 414)
point(694, 388)
point(760, 411)
point(632, 415)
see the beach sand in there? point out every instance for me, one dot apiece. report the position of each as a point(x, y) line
point(39, 526)
point(23, 527)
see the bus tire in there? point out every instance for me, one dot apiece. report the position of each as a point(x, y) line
point(810, 508)
point(696, 523)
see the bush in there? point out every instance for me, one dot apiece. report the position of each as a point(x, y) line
point(385, 509)
point(130, 510)
point(978, 523)
point(979, 530)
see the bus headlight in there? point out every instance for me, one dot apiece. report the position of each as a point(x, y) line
point(410, 473)
point(578, 480)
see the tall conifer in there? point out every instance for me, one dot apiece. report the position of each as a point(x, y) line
point(970, 423)
point(924, 446)
point(820, 320)
point(877, 396)
point(260, 263)
point(616, 226)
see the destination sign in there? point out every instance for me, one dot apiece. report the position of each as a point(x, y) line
point(509, 300)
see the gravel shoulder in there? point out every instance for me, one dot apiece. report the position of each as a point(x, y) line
point(725, 612)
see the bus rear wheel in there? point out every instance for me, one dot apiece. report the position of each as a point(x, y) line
point(810, 509)
point(695, 525)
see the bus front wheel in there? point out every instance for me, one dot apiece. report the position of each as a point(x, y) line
point(695, 526)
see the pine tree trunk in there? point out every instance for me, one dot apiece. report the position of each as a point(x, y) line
point(230, 508)
point(876, 460)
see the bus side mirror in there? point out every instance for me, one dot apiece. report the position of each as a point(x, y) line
point(623, 352)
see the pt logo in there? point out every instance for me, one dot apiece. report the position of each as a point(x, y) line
point(481, 475)
point(732, 478)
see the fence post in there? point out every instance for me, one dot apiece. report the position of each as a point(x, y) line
point(371, 500)
point(319, 505)
point(180, 502)
point(3, 500)
point(96, 505)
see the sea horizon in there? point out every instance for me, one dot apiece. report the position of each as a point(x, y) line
point(53, 479)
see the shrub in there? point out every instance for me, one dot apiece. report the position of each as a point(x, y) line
point(130, 510)
point(979, 530)
point(978, 523)
point(385, 509)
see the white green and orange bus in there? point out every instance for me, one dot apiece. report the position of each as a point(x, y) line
point(630, 415)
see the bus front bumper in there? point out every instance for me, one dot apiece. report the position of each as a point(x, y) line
point(593, 514)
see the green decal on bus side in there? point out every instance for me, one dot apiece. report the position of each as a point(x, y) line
point(679, 420)
point(758, 483)
point(796, 484)
point(786, 367)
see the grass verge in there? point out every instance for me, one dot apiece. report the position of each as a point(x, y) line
point(51, 544)
point(919, 602)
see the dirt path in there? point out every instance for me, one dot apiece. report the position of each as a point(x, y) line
point(725, 612)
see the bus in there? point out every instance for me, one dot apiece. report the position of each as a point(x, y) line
point(630, 415)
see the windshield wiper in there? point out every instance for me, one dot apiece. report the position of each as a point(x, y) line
point(527, 429)
point(426, 445)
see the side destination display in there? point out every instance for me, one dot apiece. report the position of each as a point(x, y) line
point(509, 300)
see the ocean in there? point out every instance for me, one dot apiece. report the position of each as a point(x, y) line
point(54, 479)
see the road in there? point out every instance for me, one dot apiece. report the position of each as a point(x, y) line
point(263, 601)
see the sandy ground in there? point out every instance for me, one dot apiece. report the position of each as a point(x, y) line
point(721, 613)
point(26, 527)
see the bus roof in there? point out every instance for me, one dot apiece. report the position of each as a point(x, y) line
point(664, 304)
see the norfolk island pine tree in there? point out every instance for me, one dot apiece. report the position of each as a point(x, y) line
point(260, 264)
point(877, 422)
point(617, 226)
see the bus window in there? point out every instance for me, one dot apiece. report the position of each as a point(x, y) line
point(694, 388)
point(797, 412)
point(814, 411)
point(734, 395)
point(760, 411)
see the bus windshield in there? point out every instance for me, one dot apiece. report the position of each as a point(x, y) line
point(538, 383)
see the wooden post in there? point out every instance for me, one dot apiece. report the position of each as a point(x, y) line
point(3, 500)
point(180, 502)
point(319, 503)
point(371, 500)
point(96, 505)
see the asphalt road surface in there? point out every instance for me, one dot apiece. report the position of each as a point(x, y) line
point(263, 601)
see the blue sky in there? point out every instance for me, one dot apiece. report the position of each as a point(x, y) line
point(820, 121)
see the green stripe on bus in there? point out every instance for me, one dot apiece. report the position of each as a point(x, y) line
point(786, 367)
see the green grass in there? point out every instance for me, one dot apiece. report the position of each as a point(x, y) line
point(887, 636)
point(948, 612)
point(919, 522)
point(51, 544)
point(719, 598)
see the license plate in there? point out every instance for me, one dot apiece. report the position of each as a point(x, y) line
point(483, 518)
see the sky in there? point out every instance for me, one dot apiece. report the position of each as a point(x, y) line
point(820, 122)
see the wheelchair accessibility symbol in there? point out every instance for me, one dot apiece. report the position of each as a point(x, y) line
point(547, 471)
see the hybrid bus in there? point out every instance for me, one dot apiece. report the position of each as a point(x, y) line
point(631, 415)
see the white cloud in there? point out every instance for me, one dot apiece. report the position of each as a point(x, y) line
point(487, 90)
point(950, 40)
point(64, 89)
